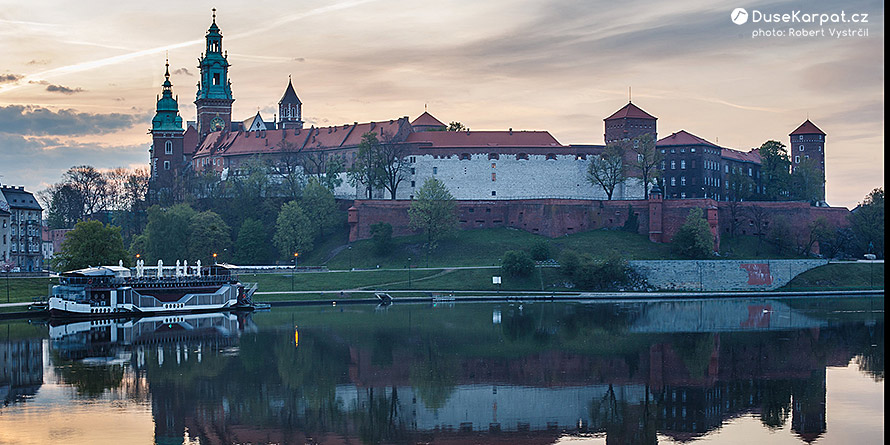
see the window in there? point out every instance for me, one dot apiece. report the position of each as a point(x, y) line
point(682, 164)
point(494, 177)
point(166, 165)
point(168, 147)
point(494, 156)
point(465, 156)
point(673, 165)
point(800, 148)
point(551, 156)
point(800, 138)
point(750, 171)
point(413, 171)
point(683, 195)
point(673, 181)
point(692, 150)
point(493, 165)
point(412, 159)
point(494, 193)
point(581, 157)
point(662, 165)
point(216, 78)
point(522, 156)
point(682, 180)
point(435, 170)
point(726, 168)
point(413, 184)
point(797, 159)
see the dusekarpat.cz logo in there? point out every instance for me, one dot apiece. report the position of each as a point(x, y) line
point(739, 16)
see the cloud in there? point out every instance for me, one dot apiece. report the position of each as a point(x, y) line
point(9, 77)
point(63, 89)
point(38, 121)
point(183, 70)
point(38, 62)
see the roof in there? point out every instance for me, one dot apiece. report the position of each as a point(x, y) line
point(807, 128)
point(19, 198)
point(426, 120)
point(683, 137)
point(742, 156)
point(509, 138)
point(271, 141)
point(630, 111)
point(290, 96)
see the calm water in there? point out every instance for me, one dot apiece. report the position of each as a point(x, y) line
point(725, 372)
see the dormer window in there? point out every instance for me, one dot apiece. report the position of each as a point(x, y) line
point(523, 156)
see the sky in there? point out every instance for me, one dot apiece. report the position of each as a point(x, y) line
point(78, 85)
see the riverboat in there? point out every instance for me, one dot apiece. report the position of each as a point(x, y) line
point(115, 291)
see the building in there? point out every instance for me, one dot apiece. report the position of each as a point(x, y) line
point(474, 165)
point(808, 145)
point(24, 232)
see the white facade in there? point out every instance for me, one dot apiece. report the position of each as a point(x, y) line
point(539, 176)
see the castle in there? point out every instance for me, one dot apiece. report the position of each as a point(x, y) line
point(506, 165)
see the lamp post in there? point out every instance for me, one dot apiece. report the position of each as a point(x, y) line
point(214, 257)
point(293, 271)
point(409, 272)
point(349, 248)
point(6, 267)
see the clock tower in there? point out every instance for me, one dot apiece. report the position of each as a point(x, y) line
point(214, 97)
point(167, 157)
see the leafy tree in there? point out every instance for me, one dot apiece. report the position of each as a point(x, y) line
point(326, 168)
point(365, 168)
point(251, 246)
point(381, 237)
point(607, 170)
point(456, 126)
point(167, 233)
point(818, 231)
point(64, 205)
point(540, 250)
point(867, 223)
point(91, 243)
point(569, 261)
point(208, 234)
point(517, 263)
point(780, 234)
point(741, 186)
point(433, 212)
point(775, 171)
point(320, 207)
point(294, 232)
point(392, 158)
point(807, 181)
point(647, 160)
point(694, 238)
point(289, 167)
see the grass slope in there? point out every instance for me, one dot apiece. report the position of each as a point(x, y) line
point(840, 276)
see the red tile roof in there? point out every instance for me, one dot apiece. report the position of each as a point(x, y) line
point(630, 111)
point(807, 128)
point(683, 137)
point(268, 141)
point(743, 156)
point(426, 120)
point(441, 139)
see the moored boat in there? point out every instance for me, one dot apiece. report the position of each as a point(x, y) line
point(110, 291)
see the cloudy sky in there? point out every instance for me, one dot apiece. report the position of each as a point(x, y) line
point(78, 85)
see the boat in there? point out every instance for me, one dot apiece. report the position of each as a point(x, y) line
point(116, 291)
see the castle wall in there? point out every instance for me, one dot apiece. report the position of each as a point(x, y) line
point(723, 275)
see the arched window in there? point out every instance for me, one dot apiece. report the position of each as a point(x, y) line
point(494, 156)
point(551, 156)
point(168, 147)
point(465, 156)
point(523, 156)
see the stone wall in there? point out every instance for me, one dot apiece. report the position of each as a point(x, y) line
point(722, 275)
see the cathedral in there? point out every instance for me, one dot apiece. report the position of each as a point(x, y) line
point(474, 165)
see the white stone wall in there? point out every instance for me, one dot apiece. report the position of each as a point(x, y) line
point(538, 177)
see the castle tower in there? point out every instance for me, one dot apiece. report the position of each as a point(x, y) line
point(808, 143)
point(166, 133)
point(290, 109)
point(214, 98)
point(629, 122)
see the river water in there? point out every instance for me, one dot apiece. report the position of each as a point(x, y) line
point(730, 371)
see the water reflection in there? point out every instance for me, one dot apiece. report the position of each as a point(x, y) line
point(469, 373)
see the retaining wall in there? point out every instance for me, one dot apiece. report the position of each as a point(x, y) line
point(722, 275)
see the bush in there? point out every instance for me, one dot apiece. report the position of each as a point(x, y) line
point(517, 263)
point(694, 239)
point(611, 273)
point(381, 237)
point(540, 250)
point(568, 262)
point(632, 224)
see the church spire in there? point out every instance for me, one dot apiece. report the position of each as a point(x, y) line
point(290, 109)
point(167, 112)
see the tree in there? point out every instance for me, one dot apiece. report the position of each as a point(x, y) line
point(867, 224)
point(92, 186)
point(517, 263)
point(818, 231)
point(64, 205)
point(251, 245)
point(290, 168)
point(760, 220)
point(694, 239)
point(320, 207)
point(365, 169)
point(807, 182)
point(456, 126)
point(775, 171)
point(167, 233)
point(393, 164)
point(632, 223)
point(607, 170)
point(326, 168)
point(540, 250)
point(91, 243)
point(381, 237)
point(433, 212)
point(648, 159)
point(294, 232)
point(208, 235)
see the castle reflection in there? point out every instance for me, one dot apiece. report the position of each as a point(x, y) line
point(459, 374)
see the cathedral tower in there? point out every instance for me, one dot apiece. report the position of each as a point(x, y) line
point(214, 98)
point(166, 133)
point(290, 109)
point(627, 123)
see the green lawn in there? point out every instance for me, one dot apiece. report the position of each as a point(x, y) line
point(840, 276)
point(382, 280)
point(749, 247)
point(24, 289)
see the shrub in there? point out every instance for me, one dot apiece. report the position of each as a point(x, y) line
point(568, 262)
point(517, 263)
point(694, 239)
point(632, 224)
point(611, 273)
point(540, 250)
point(381, 237)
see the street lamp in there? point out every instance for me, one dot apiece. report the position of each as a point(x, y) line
point(293, 271)
point(7, 267)
point(409, 272)
point(349, 248)
point(214, 257)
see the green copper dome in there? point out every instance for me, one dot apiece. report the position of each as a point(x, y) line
point(167, 114)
